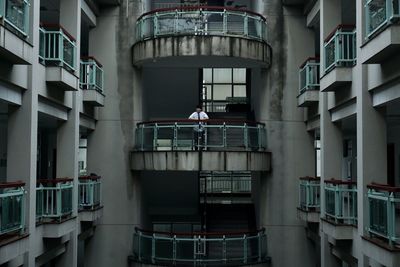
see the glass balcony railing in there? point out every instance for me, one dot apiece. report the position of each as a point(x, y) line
point(384, 215)
point(204, 135)
point(225, 182)
point(12, 207)
point(309, 75)
point(200, 249)
point(54, 199)
point(16, 14)
point(341, 201)
point(89, 192)
point(309, 194)
point(57, 47)
point(340, 48)
point(91, 74)
point(379, 13)
point(201, 20)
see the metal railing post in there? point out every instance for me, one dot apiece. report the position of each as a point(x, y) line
point(224, 249)
point(245, 249)
point(246, 133)
point(224, 135)
point(153, 249)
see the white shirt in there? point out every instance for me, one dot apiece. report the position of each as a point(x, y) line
point(199, 116)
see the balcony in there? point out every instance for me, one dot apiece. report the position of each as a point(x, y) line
point(225, 187)
point(12, 221)
point(91, 81)
point(308, 83)
point(340, 215)
point(212, 145)
point(340, 57)
point(90, 208)
point(57, 51)
point(205, 249)
point(382, 30)
point(14, 28)
point(193, 30)
point(309, 199)
point(54, 206)
point(383, 240)
point(384, 216)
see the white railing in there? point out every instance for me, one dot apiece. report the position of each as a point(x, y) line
point(57, 47)
point(309, 75)
point(16, 14)
point(207, 21)
point(54, 199)
point(91, 74)
point(89, 192)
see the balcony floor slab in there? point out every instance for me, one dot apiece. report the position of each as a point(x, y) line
point(14, 49)
point(204, 161)
point(308, 216)
point(307, 98)
point(336, 78)
point(381, 46)
point(337, 231)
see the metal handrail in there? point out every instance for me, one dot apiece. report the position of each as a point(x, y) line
point(203, 134)
point(340, 48)
point(383, 201)
point(200, 248)
point(89, 192)
point(380, 13)
point(57, 46)
point(309, 194)
point(225, 182)
point(309, 75)
point(91, 74)
point(54, 198)
point(16, 14)
point(341, 201)
point(12, 207)
point(201, 20)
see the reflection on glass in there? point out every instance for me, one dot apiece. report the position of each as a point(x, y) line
point(221, 92)
point(222, 75)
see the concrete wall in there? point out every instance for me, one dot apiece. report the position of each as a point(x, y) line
point(110, 144)
point(170, 92)
point(290, 144)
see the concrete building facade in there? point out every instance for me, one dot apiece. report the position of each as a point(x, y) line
point(297, 165)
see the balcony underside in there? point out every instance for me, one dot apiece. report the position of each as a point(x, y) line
point(204, 161)
point(382, 46)
point(13, 49)
point(338, 231)
point(149, 51)
point(336, 78)
point(307, 98)
point(308, 216)
point(381, 252)
point(13, 247)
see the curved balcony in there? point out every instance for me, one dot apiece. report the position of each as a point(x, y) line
point(205, 249)
point(225, 145)
point(194, 31)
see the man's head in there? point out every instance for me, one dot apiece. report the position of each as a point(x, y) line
point(199, 108)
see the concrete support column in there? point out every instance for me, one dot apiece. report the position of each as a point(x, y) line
point(371, 141)
point(22, 140)
point(331, 167)
point(330, 18)
point(70, 19)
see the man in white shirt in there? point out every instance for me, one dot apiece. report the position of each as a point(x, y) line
point(199, 115)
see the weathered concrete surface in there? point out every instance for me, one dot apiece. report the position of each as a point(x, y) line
point(382, 46)
point(180, 46)
point(204, 161)
point(308, 98)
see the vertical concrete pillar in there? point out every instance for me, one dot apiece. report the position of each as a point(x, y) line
point(327, 258)
point(331, 136)
point(68, 132)
point(371, 139)
point(22, 139)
